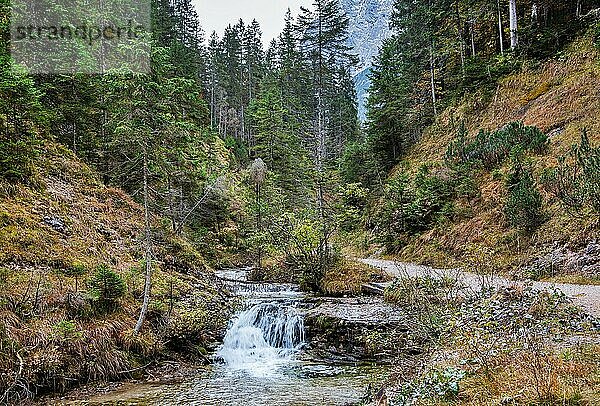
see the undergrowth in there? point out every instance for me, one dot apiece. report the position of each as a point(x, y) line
point(538, 112)
point(71, 284)
point(498, 346)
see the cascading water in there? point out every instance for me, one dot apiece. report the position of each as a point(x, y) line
point(268, 333)
point(262, 337)
point(260, 358)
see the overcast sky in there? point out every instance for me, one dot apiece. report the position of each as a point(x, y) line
point(215, 15)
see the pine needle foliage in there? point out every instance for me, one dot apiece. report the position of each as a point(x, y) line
point(491, 148)
point(576, 180)
point(105, 288)
point(523, 209)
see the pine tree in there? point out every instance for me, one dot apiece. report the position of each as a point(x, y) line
point(323, 41)
point(514, 35)
point(324, 37)
point(278, 145)
point(22, 117)
point(403, 98)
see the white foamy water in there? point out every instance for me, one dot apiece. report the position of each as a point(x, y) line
point(262, 338)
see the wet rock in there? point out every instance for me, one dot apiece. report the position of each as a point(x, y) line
point(374, 288)
point(361, 329)
point(317, 371)
point(556, 132)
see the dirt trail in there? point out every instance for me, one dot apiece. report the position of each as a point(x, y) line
point(586, 296)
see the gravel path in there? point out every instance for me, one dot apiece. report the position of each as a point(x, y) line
point(586, 296)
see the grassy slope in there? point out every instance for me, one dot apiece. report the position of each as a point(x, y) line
point(561, 97)
point(50, 335)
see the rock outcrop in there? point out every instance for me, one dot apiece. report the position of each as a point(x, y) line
point(361, 329)
point(562, 260)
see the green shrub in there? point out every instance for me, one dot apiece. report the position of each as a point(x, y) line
point(414, 205)
point(4, 275)
point(105, 288)
point(304, 239)
point(66, 330)
point(358, 164)
point(438, 384)
point(76, 270)
point(576, 181)
point(523, 208)
point(21, 117)
point(16, 157)
point(352, 201)
point(491, 148)
point(463, 181)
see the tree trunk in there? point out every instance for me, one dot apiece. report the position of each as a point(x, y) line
point(212, 101)
point(514, 35)
point(500, 29)
point(171, 201)
point(258, 222)
point(320, 120)
point(432, 74)
point(321, 148)
point(473, 52)
point(148, 249)
point(460, 37)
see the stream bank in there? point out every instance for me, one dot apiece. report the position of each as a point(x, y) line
point(268, 357)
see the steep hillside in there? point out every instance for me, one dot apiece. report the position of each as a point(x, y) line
point(561, 97)
point(71, 281)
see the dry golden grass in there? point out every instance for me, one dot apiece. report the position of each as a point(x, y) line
point(568, 377)
point(102, 223)
point(573, 279)
point(51, 336)
point(348, 277)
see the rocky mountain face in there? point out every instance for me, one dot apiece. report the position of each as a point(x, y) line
point(369, 26)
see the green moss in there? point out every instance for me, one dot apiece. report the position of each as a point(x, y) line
point(540, 90)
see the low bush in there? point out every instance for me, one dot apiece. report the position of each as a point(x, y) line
point(576, 180)
point(491, 148)
point(66, 330)
point(352, 201)
point(304, 239)
point(415, 204)
point(441, 385)
point(75, 271)
point(20, 114)
point(433, 299)
point(523, 209)
point(358, 164)
point(497, 347)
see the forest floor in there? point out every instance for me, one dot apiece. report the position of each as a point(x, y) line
point(585, 296)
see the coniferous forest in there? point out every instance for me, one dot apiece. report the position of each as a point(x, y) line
point(448, 243)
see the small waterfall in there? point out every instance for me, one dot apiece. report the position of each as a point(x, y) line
point(263, 337)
